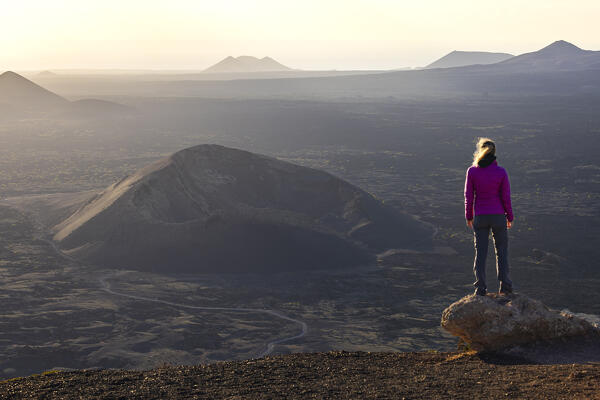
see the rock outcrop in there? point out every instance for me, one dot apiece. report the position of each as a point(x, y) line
point(497, 322)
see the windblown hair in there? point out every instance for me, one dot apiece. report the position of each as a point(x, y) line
point(484, 147)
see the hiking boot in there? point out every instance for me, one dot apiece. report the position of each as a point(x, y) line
point(505, 290)
point(480, 292)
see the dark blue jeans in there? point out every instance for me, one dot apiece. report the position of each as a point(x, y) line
point(481, 229)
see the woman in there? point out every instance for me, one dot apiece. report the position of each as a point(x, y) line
point(488, 189)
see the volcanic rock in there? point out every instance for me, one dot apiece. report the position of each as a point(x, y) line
point(333, 375)
point(498, 322)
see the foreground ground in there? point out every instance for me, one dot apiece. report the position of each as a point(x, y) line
point(336, 375)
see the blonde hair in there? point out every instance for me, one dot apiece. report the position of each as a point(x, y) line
point(484, 147)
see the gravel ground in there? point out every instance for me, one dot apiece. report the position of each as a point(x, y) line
point(334, 375)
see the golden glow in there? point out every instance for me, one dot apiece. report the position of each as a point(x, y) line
point(310, 34)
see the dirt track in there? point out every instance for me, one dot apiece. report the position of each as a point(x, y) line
point(270, 346)
point(334, 375)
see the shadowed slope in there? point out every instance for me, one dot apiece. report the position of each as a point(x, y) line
point(211, 208)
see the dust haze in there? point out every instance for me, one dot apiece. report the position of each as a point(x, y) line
point(153, 217)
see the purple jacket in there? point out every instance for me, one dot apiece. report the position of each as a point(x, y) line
point(490, 188)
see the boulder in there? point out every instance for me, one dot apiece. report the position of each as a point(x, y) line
point(498, 322)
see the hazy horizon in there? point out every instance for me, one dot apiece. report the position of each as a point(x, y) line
point(310, 35)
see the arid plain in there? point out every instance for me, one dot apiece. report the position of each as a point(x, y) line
point(410, 152)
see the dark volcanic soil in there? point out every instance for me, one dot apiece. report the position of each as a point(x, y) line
point(335, 375)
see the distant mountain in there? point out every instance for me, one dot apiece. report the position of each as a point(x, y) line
point(246, 64)
point(93, 108)
point(559, 56)
point(18, 91)
point(46, 74)
point(19, 95)
point(548, 71)
point(462, 58)
point(214, 209)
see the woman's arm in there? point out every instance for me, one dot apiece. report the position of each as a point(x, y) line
point(469, 195)
point(505, 197)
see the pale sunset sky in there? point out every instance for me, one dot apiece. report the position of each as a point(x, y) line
point(306, 34)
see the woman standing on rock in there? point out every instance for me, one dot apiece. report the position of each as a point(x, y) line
point(487, 189)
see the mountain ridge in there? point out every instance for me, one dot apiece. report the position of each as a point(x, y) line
point(530, 74)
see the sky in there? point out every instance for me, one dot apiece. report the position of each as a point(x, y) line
point(305, 34)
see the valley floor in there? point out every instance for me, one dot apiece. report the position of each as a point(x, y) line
point(335, 375)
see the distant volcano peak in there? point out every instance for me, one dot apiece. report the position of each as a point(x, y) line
point(558, 56)
point(16, 89)
point(11, 75)
point(244, 64)
point(561, 46)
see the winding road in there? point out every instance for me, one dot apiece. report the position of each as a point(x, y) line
point(105, 285)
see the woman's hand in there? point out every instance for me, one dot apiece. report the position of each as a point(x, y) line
point(509, 224)
point(470, 223)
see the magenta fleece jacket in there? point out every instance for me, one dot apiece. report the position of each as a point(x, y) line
point(489, 189)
